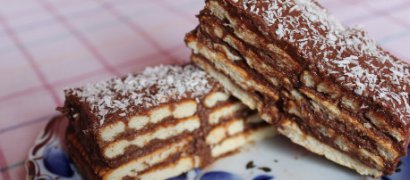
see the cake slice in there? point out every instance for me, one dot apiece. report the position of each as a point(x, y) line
point(156, 124)
point(327, 87)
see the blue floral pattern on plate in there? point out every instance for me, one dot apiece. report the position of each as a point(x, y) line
point(263, 177)
point(48, 160)
point(56, 161)
point(219, 175)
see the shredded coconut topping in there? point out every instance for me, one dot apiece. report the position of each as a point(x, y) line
point(345, 54)
point(152, 87)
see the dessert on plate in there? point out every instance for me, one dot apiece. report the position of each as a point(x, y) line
point(155, 124)
point(327, 87)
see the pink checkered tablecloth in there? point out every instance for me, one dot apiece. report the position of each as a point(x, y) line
point(48, 45)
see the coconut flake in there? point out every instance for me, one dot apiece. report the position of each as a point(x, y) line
point(154, 86)
point(366, 69)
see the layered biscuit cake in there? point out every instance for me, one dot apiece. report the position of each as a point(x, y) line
point(327, 87)
point(156, 124)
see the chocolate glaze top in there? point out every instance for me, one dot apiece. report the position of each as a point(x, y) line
point(136, 92)
point(344, 54)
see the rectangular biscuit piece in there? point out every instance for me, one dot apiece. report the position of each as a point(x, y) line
point(334, 72)
point(135, 126)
